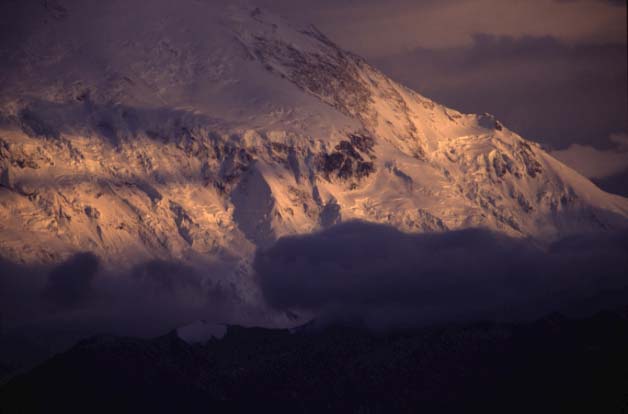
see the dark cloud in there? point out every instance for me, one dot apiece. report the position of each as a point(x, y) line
point(355, 270)
point(165, 276)
point(45, 309)
point(377, 29)
point(385, 277)
point(69, 284)
point(617, 184)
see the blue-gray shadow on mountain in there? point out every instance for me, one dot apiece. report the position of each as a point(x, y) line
point(113, 122)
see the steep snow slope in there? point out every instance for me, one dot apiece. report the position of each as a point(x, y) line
point(194, 131)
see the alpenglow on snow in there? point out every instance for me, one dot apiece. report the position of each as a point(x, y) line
point(215, 130)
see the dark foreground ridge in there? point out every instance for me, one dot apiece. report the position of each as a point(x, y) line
point(555, 363)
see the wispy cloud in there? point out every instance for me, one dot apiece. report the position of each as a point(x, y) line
point(597, 163)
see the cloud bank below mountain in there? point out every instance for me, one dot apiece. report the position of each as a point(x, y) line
point(387, 278)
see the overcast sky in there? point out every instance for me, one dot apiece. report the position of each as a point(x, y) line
point(376, 28)
point(552, 70)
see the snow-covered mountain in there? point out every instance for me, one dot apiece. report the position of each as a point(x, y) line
point(198, 132)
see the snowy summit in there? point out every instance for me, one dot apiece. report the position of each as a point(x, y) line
point(199, 132)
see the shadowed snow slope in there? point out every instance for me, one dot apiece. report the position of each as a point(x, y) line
point(197, 132)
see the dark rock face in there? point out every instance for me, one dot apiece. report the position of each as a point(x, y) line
point(524, 203)
point(363, 143)
point(503, 164)
point(17, 157)
point(92, 212)
point(332, 162)
point(525, 153)
point(365, 169)
point(254, 204)
point(183, 221)
point(488, 121)
point(345, 162)
point(556, 363)
point(525, 158)
point(345, 147)
point(330, 214)
point(332, 76)
point(346, 171)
